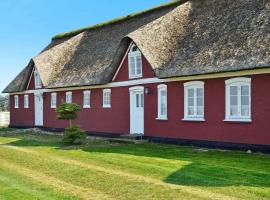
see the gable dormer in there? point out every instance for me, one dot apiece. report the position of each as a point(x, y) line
point(34, 81)
point(133, 66)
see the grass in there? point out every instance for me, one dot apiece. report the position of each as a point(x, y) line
point(34, 166)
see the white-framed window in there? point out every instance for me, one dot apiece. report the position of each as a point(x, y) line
point(37, 79)
point(68, 97)
point(86, 99)
point(106, 98)
point(53, 100)
point(135, 62)
point(194, 101)
point(26, 101)
point(238, 99)
point(16, 101)
point(162, 102)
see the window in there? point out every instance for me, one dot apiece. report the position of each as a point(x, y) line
point(26, 101)
point(16, 101)
point(238, 99)
point(194, 100)
point(162, 102)
point(37, 79)
point(68, 97)
point(106, 98)
point(53, 100)
point(86, 99)
point(135, 62)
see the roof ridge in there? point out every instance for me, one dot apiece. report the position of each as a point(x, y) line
point(116, 20)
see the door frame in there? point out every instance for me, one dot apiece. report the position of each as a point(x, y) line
point(132, 91)
point(37, 93)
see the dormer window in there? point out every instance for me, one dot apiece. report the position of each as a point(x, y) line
point(135, 62)
point(37, 80)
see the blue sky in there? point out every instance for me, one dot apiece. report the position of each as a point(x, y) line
point(26, 26)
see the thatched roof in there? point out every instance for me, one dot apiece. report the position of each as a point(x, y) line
point(179, 39)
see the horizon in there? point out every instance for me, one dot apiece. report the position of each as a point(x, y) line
point(28, 26)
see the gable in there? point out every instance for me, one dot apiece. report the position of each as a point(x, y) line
point(122, 72)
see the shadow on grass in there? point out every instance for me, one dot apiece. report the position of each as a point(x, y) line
point(209, 169)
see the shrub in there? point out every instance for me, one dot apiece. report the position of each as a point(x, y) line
point(68, 111)
point(74, 135)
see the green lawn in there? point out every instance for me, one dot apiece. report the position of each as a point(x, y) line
point(34, 166)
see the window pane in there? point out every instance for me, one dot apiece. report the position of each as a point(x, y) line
point(199, 101)
point(200, 110)
point(191, 110)
point(244, 90)
point(245, 100)
point(244, 110)
point(137, 100)
point(132, 65)
point(234, 111)
point(138, 64)
point(191, 92)
point(142, 102)
point(233, 90)
point(200, 92)
point(234, 100)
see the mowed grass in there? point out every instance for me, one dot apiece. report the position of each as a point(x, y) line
point(34, 166)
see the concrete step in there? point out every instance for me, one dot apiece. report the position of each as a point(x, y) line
point(132, 136)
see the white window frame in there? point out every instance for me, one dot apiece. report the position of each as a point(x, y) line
point(86, 93)
point(38, 83)
point(26, 101)
point(106, 104)
point(53, 100)
point(162, 87)
point(134, 54)
point(193, 85)
point(241, 81)
point(16, 101)
point(67, 97)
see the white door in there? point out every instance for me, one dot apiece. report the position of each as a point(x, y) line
point(137, 110)
point(39, 109)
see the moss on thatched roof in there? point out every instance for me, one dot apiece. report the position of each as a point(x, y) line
point(116, 20)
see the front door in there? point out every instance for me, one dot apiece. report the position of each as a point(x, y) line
point(39, 109)
point(137, 110)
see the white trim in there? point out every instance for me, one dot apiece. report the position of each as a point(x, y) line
point(67, 94)
point(134, 124)
point(106, 91)
point(54, 95)
point(238, 82)
point(16, 101)
point(87, 92)
point(194, 119)
point(193, 85)
point(30, 78)
point(160, 88)
point(122, 61)
point(154, 80)
point(26, 101)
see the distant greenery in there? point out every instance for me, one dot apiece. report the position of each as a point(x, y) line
point(37, 166)
point(77, 31)
point(4, 103)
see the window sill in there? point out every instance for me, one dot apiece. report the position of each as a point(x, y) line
point(86, 107)
point(53, 106)
point(134, 77)
point(194, 119)
point(104, 106)
point(238, 120)
point(162, 118)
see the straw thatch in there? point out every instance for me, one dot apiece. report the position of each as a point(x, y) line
point(195, 37)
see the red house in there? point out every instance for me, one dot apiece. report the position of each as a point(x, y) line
point(186, 72)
